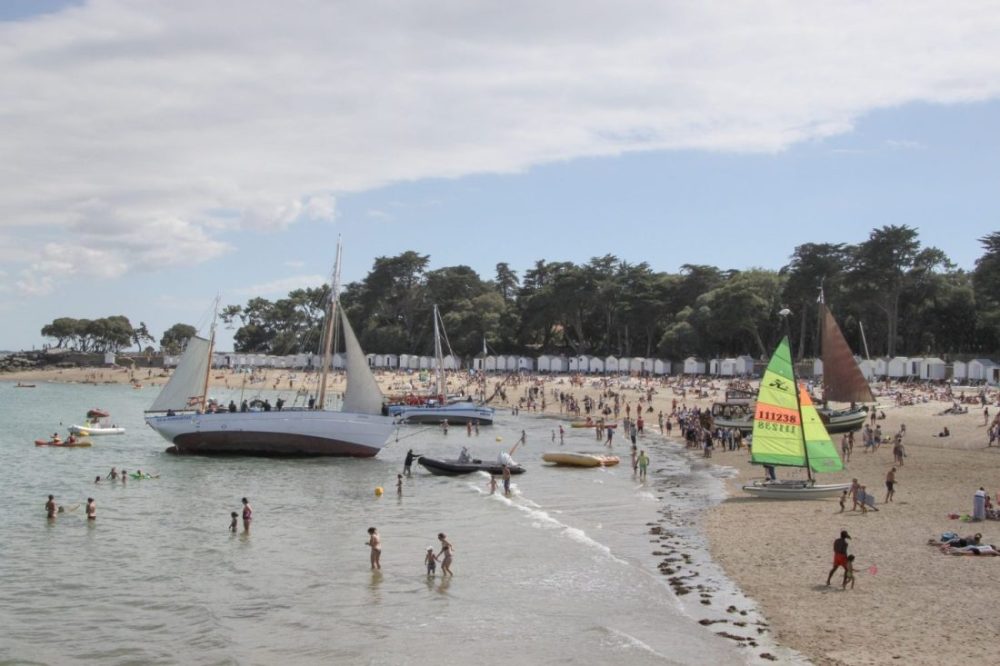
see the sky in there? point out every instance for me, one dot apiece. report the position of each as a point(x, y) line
point(157, 154)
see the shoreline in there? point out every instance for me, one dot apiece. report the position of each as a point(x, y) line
point(919, 606)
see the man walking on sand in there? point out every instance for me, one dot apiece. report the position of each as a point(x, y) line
point(839, 555)
point(890, 485)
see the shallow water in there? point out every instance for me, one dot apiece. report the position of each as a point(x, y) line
point(561, 572)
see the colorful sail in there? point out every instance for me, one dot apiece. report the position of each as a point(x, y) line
point(823, 455)
point(784, 428)
point(842, 379)
point(777, 424)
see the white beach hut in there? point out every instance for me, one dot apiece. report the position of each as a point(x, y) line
point(451, 362)
point(490, 363)
point(391, 361)
point(339, 361)
point(881, 367)
point(574, 364)
point(649, 366)
point(960, 371)
point(610, 364)
point(510, 362)
point(661, 367)
point(371, 360)
point(558, 364)
point(693, 366)
point(817, 367)
point(727, 367)
point(544, 363)
point(980, 369)
point(933, 368)
point(714, 366)
point(897, 367)
point(596, 364)
point(527, 364)
point(635, 364)
point(913, 366)
point(744, 365)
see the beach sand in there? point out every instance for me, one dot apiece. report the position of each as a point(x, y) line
point(919, 607)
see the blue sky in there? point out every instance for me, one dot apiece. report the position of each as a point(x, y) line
point(157, 163)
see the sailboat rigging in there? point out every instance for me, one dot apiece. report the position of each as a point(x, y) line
point(180, 414)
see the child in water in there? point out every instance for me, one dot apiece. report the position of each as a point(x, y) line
point(431, 561)
point(232, 521)
point(493, 485)
point(399, 485)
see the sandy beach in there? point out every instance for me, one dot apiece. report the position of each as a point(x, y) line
point(911, 603)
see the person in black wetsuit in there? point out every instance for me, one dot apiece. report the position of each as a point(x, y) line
point(410, 456)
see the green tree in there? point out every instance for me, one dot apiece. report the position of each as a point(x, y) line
point(176, 337)
point(63, 329)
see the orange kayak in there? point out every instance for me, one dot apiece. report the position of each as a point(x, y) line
point(78, 444)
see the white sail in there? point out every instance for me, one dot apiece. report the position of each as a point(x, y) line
point(362, 395)
point(185, 388)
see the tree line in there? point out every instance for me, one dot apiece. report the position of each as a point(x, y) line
point(910, 298)
point(112, 334)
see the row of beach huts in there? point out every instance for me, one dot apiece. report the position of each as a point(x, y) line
point(900, 367)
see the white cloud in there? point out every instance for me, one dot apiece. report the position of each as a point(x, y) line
point(281, 286)
point(150, 132)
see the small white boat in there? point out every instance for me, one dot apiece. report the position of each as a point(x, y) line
point(795, 490)
point(578, 459)
point(93, 429)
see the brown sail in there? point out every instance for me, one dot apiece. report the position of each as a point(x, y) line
point(842, 379)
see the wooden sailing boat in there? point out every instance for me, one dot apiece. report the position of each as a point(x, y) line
point(358, 430)
point(842, 379)
point(788, 432)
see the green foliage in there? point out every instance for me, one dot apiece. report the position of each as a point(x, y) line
point(176, 337)
point(909, 297)
point(108, 334)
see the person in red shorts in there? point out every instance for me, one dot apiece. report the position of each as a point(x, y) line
point(839, 555)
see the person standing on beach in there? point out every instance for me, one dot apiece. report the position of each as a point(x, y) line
point(643, 464)
point(247, 515)
point(50, 507)
point(562, 435)
point(839, 555)
point(375, 543)
point(855, 487)
point(890, 485)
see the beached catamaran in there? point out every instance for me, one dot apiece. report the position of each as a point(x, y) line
point(359, 430)
point(787, 432)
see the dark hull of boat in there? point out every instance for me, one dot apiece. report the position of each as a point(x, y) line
point(835, 422)
point(278, 445)
point(455, 468)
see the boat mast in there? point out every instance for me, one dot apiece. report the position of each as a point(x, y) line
point(798, 402)
point(331, 311)
point(438, 357)
point(211, 348)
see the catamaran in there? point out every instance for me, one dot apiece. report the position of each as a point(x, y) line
point(358, 430)
point(787, 432)
point(439, 408)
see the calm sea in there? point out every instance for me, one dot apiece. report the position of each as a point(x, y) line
point(562, 572)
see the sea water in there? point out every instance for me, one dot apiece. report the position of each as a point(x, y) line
point(563, 571)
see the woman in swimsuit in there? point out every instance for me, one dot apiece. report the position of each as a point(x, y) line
point(247, 515)
point(445, 554)
point(375, 543)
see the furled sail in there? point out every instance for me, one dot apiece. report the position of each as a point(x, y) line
point(777, 435)
point(842, 379)
point(186, 387)
point(362, 395)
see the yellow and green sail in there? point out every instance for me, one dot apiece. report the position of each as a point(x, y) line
point(780, 421)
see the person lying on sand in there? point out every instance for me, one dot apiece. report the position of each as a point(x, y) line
point(987, 550)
